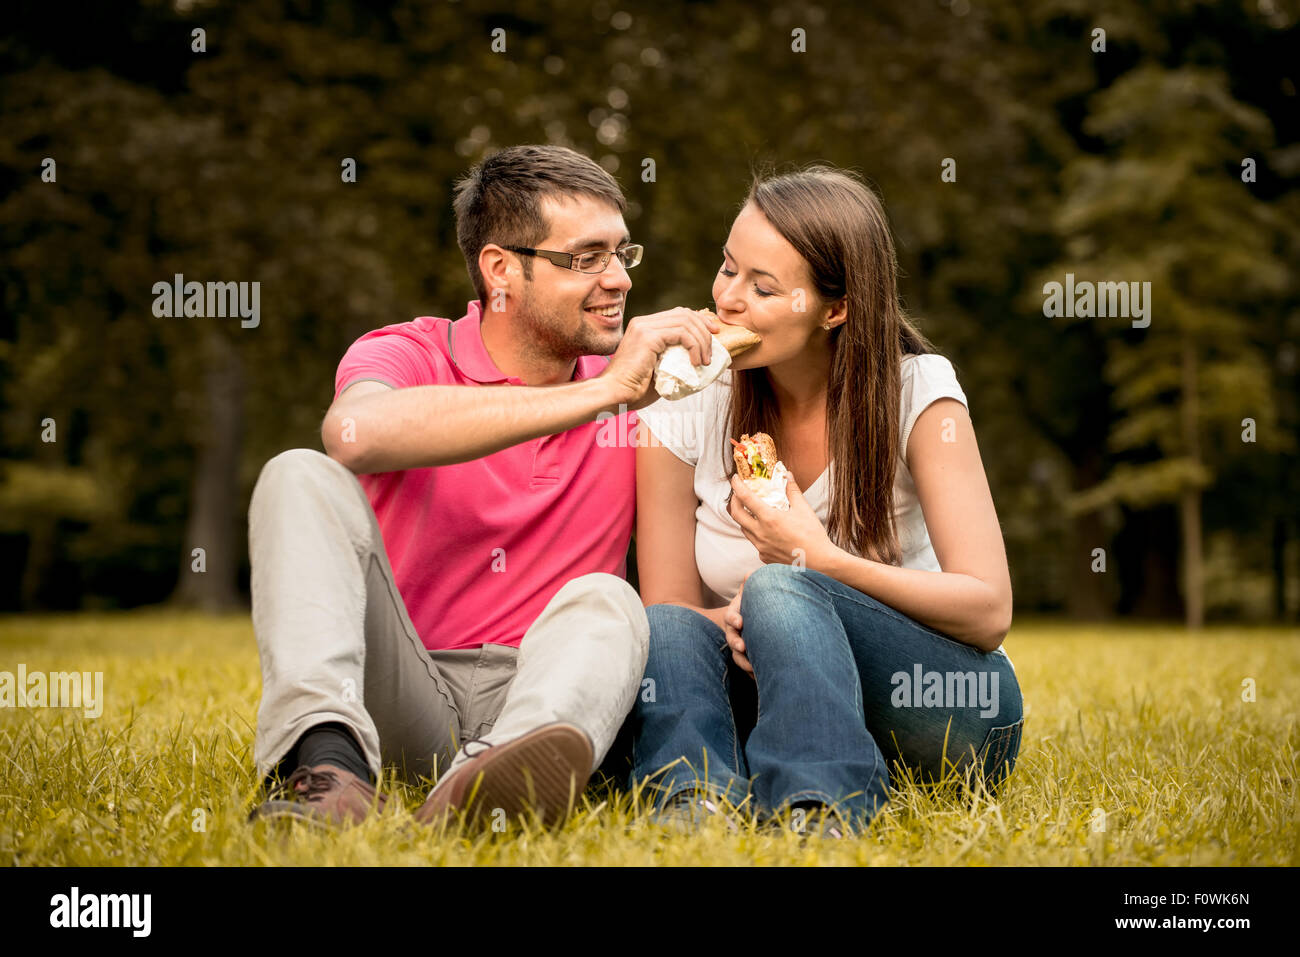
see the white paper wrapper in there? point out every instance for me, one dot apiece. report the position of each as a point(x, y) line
point(771, 491)
point(676, 378)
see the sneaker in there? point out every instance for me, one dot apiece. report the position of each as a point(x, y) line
point(543, 771)
point(324, 796)
point(687, 813)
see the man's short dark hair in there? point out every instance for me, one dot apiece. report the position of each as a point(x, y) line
point(499, 200)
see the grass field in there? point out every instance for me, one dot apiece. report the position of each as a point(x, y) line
point(1146, 724)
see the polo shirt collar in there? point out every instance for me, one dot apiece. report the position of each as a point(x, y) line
point(465, 343)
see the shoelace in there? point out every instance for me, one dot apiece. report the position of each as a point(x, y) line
point(313, 782)
point(475, 740)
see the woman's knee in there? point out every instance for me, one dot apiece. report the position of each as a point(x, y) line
point(675, 629)
point(685, 658)
point(774, 589)
point(773, 578)
point(782, 614)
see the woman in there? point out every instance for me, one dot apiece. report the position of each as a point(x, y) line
point(857, 662)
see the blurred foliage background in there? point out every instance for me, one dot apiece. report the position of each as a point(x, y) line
point(225, 165)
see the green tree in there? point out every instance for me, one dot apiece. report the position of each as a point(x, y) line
point(1168, 206)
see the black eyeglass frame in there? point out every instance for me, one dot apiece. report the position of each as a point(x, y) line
point(565, 260)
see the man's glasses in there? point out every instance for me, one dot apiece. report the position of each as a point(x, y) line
point(589, 262)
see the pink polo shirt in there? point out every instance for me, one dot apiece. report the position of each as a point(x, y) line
point(479, 548)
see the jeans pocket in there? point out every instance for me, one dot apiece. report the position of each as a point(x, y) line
point(998, 755)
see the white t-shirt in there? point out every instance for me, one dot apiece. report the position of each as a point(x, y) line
point(694, 429)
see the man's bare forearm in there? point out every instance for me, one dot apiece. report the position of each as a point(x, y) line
point(433, 425)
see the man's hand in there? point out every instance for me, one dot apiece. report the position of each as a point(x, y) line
point(631, 371)
point(731, 625)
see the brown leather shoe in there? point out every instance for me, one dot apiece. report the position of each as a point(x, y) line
point(543, 771)
point(323, 795)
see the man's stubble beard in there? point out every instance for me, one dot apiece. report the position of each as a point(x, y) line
point(547, 336)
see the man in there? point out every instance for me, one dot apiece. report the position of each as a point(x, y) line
point(448, 579)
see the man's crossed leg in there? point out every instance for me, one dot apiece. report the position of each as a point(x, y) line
point(522, 728)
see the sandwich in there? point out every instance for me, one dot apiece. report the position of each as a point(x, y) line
point(676, 378)
point(735, 339)
point(761, 469)
point(755, 456)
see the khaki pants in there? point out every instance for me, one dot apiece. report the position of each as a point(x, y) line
point(336, 643)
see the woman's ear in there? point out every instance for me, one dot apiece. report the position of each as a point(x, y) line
point(838, 315)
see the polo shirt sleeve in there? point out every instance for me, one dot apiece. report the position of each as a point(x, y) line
point(395, 357)
point(926, 379)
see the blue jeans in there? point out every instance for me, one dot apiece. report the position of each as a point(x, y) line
point(845, 686)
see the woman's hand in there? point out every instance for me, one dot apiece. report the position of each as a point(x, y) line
point(781, 537)
point(731, 625)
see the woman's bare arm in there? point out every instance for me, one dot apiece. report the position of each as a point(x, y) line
point(971, 598)
point(665, 529)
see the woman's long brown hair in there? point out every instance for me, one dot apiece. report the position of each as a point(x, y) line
point(837, 224)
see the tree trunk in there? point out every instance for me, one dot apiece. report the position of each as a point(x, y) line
point(1189, 509)
point(1190, 498)
point(1146, 564)
point(40, 555)
point(215, 488)
point(1089, 595)
point(1279, 568)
